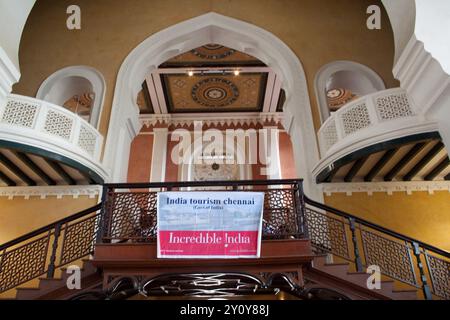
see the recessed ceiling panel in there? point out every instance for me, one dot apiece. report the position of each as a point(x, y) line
point(214, 93)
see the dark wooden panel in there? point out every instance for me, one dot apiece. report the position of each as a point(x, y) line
point(140, 255)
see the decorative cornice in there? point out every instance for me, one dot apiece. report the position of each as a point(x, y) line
point(43, 192)
point(212, 119)
point(386, 187)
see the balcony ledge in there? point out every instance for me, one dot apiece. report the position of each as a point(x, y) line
point(370, 120)
point(53, 132)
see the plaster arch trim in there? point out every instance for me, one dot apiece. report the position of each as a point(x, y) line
point(326, 71)
point(212, 28)
point(89, 73)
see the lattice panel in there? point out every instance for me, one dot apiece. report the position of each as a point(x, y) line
point(329, 134)
point(280, 217)
point(440, 275)
point(392, 257)
point(79, 239)
point(327, 233)
point(58, 124)
point(393, 106)
point(279, 199)
point(23, 264)
point(356, 118)
point(87, 140)
point(132, 215)
point(20, 113)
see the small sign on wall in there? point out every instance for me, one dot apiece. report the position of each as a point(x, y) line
point(209, 224)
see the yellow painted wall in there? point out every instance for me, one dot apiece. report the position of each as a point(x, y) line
point(20, 216)
point(421, 216)
point(318, 31)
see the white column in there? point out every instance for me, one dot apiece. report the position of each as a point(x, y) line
point(270, 151)
point(159, 155)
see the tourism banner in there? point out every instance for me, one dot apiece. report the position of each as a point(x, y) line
point(209, 224)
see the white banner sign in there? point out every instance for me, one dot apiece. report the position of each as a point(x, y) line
point(209, 224)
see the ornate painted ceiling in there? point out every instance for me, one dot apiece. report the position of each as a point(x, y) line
point(211, 78)
point(212, 55)
point(222, 93)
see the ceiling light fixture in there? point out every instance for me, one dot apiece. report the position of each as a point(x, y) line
point(222, 72)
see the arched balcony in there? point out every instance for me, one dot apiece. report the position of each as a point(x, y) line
point(374, 123)
point(43, 143)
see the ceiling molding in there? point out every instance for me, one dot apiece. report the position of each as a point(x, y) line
point(386, 187)
point(59, 192)
point(212, 119)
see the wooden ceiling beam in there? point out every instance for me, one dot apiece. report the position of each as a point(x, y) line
point(403, 162)
point(331, 175)
point(16, 170)
point(87, 176)
point(7, 180)
point(355, 169)
point(62, 173)
point(35, 168)
point(424, 161)
point(387, 156)
point(438, 169)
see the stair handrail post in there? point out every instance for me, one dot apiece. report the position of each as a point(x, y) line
point(423, 278)
point(102, 220)
point(301, 209)
point(51, 264)
point(358, 261)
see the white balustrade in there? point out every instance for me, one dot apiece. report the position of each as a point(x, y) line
point(48, 126)
point(383, 109)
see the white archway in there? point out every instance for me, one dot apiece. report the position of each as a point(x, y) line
point(212, 28)
point(369, 82)
point(62, 84)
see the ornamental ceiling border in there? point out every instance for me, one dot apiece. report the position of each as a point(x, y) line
point(59, 192)
point(151, 120)
point(385, 187)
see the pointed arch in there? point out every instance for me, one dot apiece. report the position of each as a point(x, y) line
point(230, 32)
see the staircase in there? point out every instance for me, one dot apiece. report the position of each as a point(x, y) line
point(344, 245)
point(338, 275)
point(56, 288)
